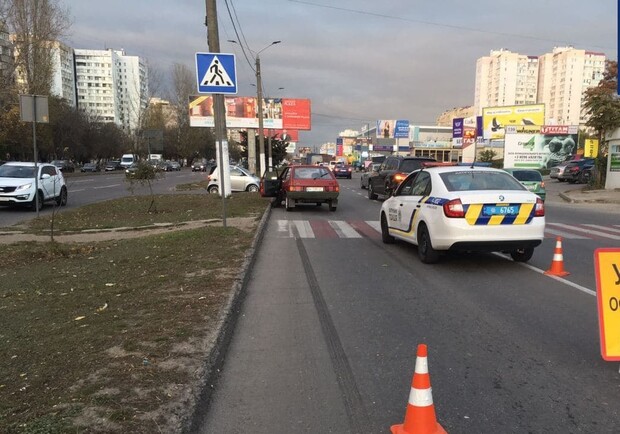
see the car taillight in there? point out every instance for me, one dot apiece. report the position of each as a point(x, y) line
point(454, 209)
point(295, 188)
point(540, 208)
point(332, 188)
point(349, 169)
point(399, 177)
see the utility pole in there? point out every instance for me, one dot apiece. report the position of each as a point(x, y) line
point(213, 40)
point(261, 133)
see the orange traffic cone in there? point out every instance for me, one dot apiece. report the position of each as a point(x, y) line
point(557, 265)
point(420, 416)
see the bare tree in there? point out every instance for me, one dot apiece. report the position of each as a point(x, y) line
point(190, 142)
point(36, 26)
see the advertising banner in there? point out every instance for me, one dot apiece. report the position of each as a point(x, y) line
point(590, 148)
point(528, 147)
point(495, 119)
point(242, 112)
point(393, 129)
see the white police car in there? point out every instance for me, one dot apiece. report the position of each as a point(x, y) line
point(464, 208)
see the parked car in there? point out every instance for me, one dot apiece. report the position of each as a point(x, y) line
point(240, 180)
point(573, 170)
point(175, 166)
point(464, 208)
point(90, 167)
point(302, 184)
point(391, 172)
point(372, 170)
point(343, 171)
point(130, 171)
point(65, 165)
point(112, 166)
point(17, 184)
point(532, 179)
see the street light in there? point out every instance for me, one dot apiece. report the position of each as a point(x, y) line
point(259, 97)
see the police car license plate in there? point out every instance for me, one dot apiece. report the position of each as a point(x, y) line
point(314, 188)
point(500, 210)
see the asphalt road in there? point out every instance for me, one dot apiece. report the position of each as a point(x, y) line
point(326, 339)
point(87, 188)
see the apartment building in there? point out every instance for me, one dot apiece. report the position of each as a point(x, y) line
point(7, 63)
point(63, 75)
point(557, 79)
point(564, 76)
point(505, 78)
point(111, 86)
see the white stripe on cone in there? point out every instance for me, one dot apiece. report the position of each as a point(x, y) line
point(558, 257)
point(421, 397)
point(421, 365)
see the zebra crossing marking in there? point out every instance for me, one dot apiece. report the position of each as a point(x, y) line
point(319, 229)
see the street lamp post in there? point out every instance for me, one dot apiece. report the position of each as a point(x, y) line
point(259, 97)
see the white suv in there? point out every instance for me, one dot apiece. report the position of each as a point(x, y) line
point(17, 184)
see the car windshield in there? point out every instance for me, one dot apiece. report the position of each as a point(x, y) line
point(478, 180)
point(310, 173)
point(7, 171)
point(527, 175)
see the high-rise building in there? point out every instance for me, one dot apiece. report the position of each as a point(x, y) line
point(505, 78)
point(63, 75)
point(557, 79)
point(111, 86)
point(565, 74)
point(7, 63)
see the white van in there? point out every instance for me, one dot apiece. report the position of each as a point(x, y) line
point(128, 159)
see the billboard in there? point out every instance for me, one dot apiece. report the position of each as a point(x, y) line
point(495, 119)
point(537, 147)
point(242, 112)
point(393, 129)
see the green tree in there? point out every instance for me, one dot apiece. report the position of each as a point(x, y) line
point(602, 107)
point(487, 155)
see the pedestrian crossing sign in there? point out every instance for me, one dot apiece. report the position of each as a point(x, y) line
point(216, 73)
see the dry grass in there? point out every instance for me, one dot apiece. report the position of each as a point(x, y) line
point(107, 336)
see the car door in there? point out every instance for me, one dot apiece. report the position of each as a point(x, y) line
point(409, 202)
point(237, 179)
point(47, 182)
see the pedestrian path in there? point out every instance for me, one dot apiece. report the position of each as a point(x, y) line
point(332, 229)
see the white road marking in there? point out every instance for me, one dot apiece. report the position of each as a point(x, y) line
point(374, 224)
point(343, 229)
point(284, 229)
point(75, 191)
point(106, 186)
point(617, 231)
point(304, 229)
point(559, 279)
point(566, 235)
point(79, 181)
point(587, 231)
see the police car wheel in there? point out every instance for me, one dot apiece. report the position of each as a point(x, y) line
point(522, 255)
point(427, 254)
point(385, 234)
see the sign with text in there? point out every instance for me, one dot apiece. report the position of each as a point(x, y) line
point(607, 270)
point(242, 112)
point(539, 147)
point(496, 119)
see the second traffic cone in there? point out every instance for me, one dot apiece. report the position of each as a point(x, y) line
point(420, 416)
point(557, 265)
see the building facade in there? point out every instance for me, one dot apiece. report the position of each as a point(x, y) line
point(63, 75)
point(564, 76)
point(505, 78)
point(111, 86)
point(7, 64)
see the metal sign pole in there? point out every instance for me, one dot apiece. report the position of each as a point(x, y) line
point(36, 157)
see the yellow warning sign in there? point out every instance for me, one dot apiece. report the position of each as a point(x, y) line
point(607, 270)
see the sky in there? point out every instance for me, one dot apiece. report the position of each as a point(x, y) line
point(358, 61)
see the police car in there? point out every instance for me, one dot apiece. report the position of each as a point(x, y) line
point(464, 208)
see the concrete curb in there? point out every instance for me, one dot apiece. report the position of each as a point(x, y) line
point(566, 198)
point(217, 343)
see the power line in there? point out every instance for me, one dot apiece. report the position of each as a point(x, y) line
point(432, 23)
point(238, 38)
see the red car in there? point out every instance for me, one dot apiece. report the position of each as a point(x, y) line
point(302, 184)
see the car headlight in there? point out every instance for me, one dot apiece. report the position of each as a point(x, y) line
point(24, 187)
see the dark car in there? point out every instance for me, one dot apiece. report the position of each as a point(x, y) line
point(199, 166)
point(113, 165)
point(391, 173)
point(65, 165)
point(574, 170)
point(90, 167)
point(342, 171)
